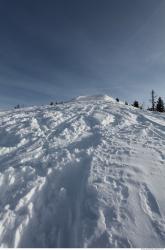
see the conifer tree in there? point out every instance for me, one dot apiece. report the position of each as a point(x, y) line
point(153, 100)
point(136, 104)
point(160, 105)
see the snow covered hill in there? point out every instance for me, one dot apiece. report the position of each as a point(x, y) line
point(88, 173)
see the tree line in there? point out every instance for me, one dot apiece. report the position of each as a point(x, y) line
point(157, 104)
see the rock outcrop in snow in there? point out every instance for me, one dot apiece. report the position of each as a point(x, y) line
point(89, 173)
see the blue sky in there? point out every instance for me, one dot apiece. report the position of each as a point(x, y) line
point(59, 49)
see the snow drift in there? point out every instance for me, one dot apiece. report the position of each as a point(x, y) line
point(89, 173)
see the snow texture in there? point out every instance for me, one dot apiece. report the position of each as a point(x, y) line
point(87, 173)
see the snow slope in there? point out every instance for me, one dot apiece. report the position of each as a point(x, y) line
point(89, 173)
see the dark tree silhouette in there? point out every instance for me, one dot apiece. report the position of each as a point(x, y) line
point(17, 107)
point(136, 104)
point(153, 100)
point(160, 105)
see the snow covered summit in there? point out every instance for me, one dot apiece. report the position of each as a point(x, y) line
point(95, 98)
point(89, 173)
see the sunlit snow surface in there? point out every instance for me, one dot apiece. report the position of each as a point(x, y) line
point(87, 173)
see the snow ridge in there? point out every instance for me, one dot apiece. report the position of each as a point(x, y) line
point(95, 98)
point(87, 173)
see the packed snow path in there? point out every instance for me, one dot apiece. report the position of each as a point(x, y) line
point(88, 173)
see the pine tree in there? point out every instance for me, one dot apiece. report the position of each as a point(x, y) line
point(17, 107)
point(153, 100)
point(136, 104)
point(160, 105)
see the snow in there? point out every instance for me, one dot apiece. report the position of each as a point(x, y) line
point(87, 173)
point(95, 98)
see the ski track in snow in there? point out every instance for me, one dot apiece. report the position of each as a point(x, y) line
point(89, 173)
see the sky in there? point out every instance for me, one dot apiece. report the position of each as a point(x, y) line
point(54, 50)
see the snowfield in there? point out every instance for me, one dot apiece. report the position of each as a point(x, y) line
point(87, 173)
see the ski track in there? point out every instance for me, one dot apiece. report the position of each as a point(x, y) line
point(88, 173)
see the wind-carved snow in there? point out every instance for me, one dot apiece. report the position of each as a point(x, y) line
point(88, 173)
